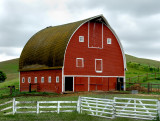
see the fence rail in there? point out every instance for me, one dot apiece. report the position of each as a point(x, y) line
point(97, 107)
point(39, 108)
point(144, 77)
point(147, 109)
point(137, 108)
point(142, 87)
point(7, 108)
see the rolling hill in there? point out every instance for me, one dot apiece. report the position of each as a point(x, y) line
point(148, 62)
point(10, 67)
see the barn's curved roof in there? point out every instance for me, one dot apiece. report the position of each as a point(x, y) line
point(46, 49)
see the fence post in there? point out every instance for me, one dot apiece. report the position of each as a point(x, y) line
point(148, 88)
point(158, 109)
point(151, 87)
point(14, 106)
point(58, 108)
point(114, 109)
point(37, 107)
point(29, 87)
point(79, 104)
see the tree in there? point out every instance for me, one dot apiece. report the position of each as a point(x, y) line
point(3, 76)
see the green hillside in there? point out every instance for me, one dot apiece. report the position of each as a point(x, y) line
point(10, 67)
point(143, 61)
point(140, 66)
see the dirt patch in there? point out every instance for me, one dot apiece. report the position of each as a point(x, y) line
point(74, 94)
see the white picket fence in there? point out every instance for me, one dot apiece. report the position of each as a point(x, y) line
point(136, 108)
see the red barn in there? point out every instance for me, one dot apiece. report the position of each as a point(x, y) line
point(86, 55)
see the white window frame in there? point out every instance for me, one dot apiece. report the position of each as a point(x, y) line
point(35, 79)
point(90, 39)
point(77, 62)
point(23, 79)
point(41, 79)
point(49, 79)
point(101, 66)
point(29, 79)
point(57, 79)
point(109, 41)
point(81, 38)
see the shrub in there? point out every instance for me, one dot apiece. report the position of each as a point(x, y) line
point(3, 76)
point(144, 79)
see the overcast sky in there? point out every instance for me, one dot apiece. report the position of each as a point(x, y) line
point(136, 22)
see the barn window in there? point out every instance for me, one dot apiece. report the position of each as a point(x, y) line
point(23, 79)
point(81, 38)
point(57, 79)
point(49, 79)
point(42, 79)
point(109, 41)
point(35, 79)
point(29, 79)
point(98, 65)
point(79, 62)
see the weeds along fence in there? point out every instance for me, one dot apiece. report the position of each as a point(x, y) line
point(148, 109)
point(144, 77)
point(9, 89)
point(142, 87)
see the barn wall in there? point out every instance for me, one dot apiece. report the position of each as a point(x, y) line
point(42, 87)
point(111, 54)
point(80, 84)
point(94, 83)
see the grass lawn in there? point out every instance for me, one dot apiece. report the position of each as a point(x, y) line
point(74, 116)
point(4, 90)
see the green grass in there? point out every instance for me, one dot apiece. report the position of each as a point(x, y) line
point(65, 116)
point(74, 116)
point(10, 67)
point(143, 61)
point(4, 90)
point(10, 83)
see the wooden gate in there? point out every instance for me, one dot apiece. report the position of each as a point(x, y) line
point(97, 107)
point(136, 108)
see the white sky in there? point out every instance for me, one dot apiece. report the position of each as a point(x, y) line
point(136, 22)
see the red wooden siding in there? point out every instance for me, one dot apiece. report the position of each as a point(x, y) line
point(112, 83)
point(81, 84)
point(95, 84)
point(95, 30)
point(110, 54)
point(42, 87)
